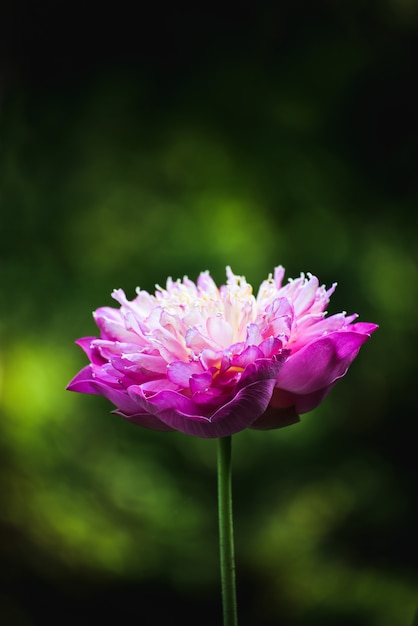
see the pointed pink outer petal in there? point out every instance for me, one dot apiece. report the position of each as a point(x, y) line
point(127, 407)
point(92, 353)
point(82, 381)
point(310, 374)
point(363, 327)
point(320, 363)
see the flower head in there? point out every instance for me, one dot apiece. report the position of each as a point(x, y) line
point(211, 361)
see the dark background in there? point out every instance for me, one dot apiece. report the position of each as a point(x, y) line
point(140, 144)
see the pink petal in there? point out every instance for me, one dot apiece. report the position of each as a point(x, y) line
point(164, 399)
point(254, 336)
point(270, 346)
point(180, 372)
point(85, 344)
point(278, 276)
point(220, 331)
point(249, 355)
point(306, 296)
point(320, 363)
point(262, 369)
point(200, 382)
point(364, 327)
point(112, 325)
point(148, 362)
point(239, 413)
point(82, 381)
point(119, 397)
point(211, 358)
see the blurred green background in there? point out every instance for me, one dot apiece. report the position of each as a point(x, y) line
point(136, 147)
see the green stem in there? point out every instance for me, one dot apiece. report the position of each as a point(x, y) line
point(226, 533)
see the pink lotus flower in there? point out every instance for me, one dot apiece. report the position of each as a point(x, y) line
point(211, 361)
